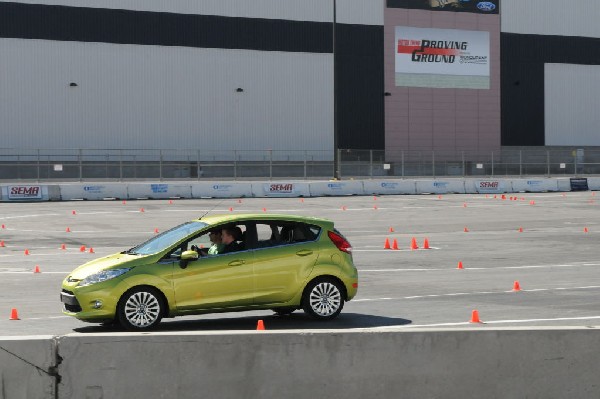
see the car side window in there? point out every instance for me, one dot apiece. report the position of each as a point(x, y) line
point(277, 233)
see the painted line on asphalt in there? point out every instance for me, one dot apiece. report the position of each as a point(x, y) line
point(475, 293)
point(466, 323)
point(466, 268)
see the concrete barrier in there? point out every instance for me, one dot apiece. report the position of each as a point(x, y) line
point(222, 190)
point(281, 189)
point(389, 187)
point(487, 186)
point(534, 185)
point(335, 188)
point(93, 191)
point(441, 186)
point(159, 190)
point(28, 367)
point(594, 183)
point(386, 362)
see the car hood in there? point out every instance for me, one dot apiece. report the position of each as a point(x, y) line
point(115, 261)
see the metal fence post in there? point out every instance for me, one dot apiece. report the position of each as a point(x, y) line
point(38, 165)
point(433, 164)
point(492, 163)
point(548, 161)
point(234, 164)
point(160, 165)
point(402, 163)
point(463, 164)
point(305, 160)
point(120, 165)
point(80, 166)
point(270, 164)
point(371, 163)
point(198, 165)
point(520, 163)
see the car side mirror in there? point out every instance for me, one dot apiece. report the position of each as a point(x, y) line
point(187, 256)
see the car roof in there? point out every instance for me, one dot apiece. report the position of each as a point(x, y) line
point(224, 218)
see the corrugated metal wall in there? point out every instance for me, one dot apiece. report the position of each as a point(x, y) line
point(169, 79)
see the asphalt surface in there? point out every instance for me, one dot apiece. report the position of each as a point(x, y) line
point(554, 259)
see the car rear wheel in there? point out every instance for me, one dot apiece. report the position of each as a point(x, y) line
point(140, 309)
point(323, 299)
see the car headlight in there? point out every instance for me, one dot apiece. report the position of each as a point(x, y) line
point(102, 276)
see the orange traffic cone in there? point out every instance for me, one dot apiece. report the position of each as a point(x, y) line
point(466, 230)
point(531, 202)
point(82, 248)
point(13, 314)
point(68, 230)
point(516, 286)
point(343, 207)
point(124, 202)
point(387, 244)
point(413, 244)
point(464, 204)
point(301, 199)
point(3, 226)
point(73, 212)
point(503, 197)
point(142, 210)
point(170, 202)
point(460, 265)
point(156, 230)
point(391, 229)
point(395, 244)
point(475, 317)
point(1, 243)
point(63, 246)
point(585, 230)
point(260, 325)
point(426, 244)
point(36, 269)
point(92, 250)
point(375, 207)
point(264, 209)
point(26, 252)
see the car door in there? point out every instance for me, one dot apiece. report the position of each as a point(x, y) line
point(214, 282)
point(283, 262)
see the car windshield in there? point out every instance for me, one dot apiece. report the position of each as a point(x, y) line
point(166, 239)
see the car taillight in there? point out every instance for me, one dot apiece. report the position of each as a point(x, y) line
point(340, 242)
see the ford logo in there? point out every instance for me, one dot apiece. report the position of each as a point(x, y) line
point(486, 6)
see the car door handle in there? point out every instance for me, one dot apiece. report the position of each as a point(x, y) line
point(304, 252)
point(237, 262)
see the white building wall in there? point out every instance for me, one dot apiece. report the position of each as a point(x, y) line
point(571, 106)
point(551, 17)
point(156, 97)
point(368, 12)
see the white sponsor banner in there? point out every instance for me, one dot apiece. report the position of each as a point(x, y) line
point(92, 191)
point(336, 188)
point(441, 186)
point(389, 187)
point(488, 186)
point(25, 192)
point(281, 189)
point(222, 190)
point(534, 185)
point(442, 51)
point(159, 190)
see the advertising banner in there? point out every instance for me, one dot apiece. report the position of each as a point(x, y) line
point(281, 189)
point(489, 186)
point(442, 58)
point(25, 193)
point(474, 6)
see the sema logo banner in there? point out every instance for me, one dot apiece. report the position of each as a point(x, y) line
point(279, 188)
point(24, 192)
point(489, 186)
point(442, 51)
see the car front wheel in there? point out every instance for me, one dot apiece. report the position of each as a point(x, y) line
point(323, 299)
point(140, 309)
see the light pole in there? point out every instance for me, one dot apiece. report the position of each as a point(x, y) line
point(336, 160)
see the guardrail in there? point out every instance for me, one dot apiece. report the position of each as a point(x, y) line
point(128, 165)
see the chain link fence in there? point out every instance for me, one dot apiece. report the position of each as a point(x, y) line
point(121, 164)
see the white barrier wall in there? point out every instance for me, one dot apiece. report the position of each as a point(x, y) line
point(389, 187)
point(92, 191)
point(594, 183)
point(534, 185)
point(334, 188)
point(280, 189)
point(441, 186)
point(222, 190)
point(159, 190)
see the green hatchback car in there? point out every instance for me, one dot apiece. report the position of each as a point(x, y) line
point(278, 262)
